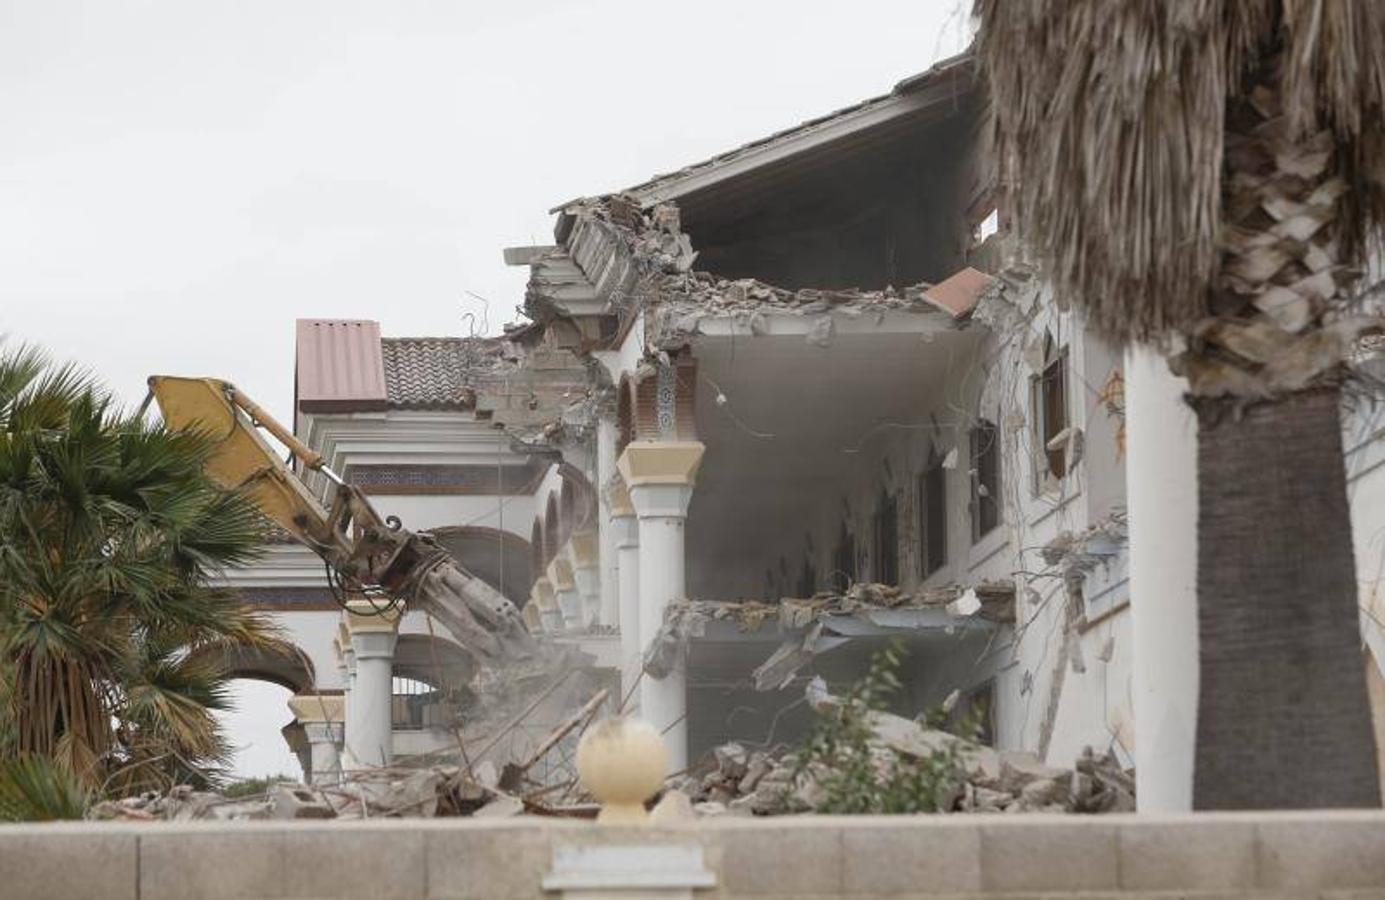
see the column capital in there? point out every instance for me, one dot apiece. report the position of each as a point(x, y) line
point(560, 573)
point(584, 550)
point(660, 462)
point(365, 617)
point(618, 498)
point(318, 708)
point(542, 594)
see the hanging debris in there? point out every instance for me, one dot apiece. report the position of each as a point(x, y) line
point(819, 623)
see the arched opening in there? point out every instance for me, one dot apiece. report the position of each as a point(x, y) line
point(258, 725)
point(265, 739)
point(550, 530)
point(625, 413)
point(537, 562)
point(500, 559)
point(578, 499)
point(568, 509)
point(285, 665)
point(430, 688)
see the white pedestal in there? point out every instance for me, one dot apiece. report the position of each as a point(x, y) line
point(634, 872)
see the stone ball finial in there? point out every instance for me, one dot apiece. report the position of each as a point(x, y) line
point(623, 763)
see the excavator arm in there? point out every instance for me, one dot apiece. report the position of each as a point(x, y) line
point(367, 555)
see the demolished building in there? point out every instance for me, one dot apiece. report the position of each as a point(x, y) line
point(770, 412)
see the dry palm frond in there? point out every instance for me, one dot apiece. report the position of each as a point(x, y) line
point(1110, 120)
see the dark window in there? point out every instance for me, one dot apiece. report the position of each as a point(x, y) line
point(975, 713)
point(985, 479)
point(550, 531)
point(844, 561)
point(536, 559)
point(807, 580)
point(932, 505)
point(887, 540)
point(1048, 398)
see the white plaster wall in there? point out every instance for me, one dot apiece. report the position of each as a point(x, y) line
point(1094, 706)
point(513, 513)
point(312, 631)
point(1365, 445)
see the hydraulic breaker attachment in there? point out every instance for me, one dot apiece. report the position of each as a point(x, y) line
point(365, 554)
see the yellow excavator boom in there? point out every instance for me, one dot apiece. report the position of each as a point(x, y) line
point(367, 553)
point(243, 459)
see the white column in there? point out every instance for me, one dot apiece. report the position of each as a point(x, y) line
point(660, 477)
point(321, 716)
point(584, 555)
point(565, 589)
point(348, 658)
point(626, 533)
point(1161, 486)
point(369, 738)
point(606, 434)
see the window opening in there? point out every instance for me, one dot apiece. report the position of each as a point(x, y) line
point(985, 478)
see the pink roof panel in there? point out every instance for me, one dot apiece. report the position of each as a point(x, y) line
point(340, 367)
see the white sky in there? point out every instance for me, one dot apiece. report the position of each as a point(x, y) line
point(180, 180)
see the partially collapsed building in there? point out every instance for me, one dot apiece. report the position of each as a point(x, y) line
point(770, 412)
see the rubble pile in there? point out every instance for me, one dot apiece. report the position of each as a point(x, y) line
point(369, 794)
point(734, 780)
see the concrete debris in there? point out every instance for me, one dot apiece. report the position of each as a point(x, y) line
point(735, 780)
point(643, 255)
point(182, 803)
point(673, 808)
point(965, 605)
point(813, 623)
point(500, 808)
point(443, 790)
point(291, 801)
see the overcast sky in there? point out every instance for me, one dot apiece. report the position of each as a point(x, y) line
point(180, 180)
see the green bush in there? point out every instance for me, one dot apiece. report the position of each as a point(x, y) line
point(853, 774)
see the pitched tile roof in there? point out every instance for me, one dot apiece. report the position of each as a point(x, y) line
point(428, 372)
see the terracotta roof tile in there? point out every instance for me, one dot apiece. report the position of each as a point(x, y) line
point(959, 292)
point(437, 373)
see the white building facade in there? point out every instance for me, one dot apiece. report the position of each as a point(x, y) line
point(773, 411)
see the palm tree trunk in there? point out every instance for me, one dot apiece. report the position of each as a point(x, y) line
point(1283, 715)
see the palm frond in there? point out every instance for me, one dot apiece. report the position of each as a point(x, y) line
point(34, 789)
point(1108, 120)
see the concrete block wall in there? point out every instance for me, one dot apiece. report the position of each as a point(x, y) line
point(1335, 856)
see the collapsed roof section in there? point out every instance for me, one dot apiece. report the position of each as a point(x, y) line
point(869, 209)
point(619, 259)
point(828, 620)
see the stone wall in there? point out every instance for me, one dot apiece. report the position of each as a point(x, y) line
point(1319, 854)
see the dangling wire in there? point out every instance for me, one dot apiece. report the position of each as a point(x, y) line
point(369, 592)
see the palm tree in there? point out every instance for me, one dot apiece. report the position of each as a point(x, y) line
point(110, 535)
point(1212, 173)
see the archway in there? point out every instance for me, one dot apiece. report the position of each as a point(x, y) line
point(430, 684)
point(265, 739)
point(500, 559)
point(550, 530)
